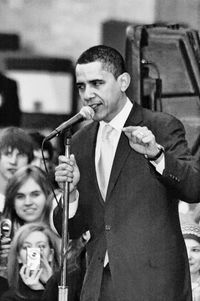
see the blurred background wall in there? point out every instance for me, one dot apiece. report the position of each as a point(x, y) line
point(46, 32)
point(67, 27)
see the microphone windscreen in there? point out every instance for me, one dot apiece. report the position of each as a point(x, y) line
point(87, 112)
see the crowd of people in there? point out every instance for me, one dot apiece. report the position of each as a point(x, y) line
point(127, 173)
point(27, 203)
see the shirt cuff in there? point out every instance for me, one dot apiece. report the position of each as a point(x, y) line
point(159, 166)
point(73, 205)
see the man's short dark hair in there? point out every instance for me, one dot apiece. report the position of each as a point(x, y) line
point(111, 59)
point(16, 138)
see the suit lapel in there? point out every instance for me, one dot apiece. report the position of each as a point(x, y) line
point(123, 148)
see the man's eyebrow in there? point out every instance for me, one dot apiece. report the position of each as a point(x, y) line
point(79, 83)
point(97, 80)
point(92, 81)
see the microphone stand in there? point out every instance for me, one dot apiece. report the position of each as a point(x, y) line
point(63, 288)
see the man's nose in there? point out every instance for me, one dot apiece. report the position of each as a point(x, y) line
point(13, 158)
point(28, 200)
point(38, 162)
point(89, 93)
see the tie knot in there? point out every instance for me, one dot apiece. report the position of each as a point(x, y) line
point(106, 132)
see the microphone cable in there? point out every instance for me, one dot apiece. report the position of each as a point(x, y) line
point(47, 172)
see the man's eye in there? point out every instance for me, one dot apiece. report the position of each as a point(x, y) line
point(35, 193)
point(98, 83)
point(196, 250)
point(80, 87)
point(7, 153)
point(19, 196)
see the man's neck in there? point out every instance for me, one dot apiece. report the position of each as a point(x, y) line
point(3, 183)
point(194, 277)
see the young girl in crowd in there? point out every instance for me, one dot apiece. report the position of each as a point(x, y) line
point(191, 234)
point(27, 197)
point(27, 284)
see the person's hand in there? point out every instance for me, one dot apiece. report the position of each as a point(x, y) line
point(142, 140)
point(46, 269)
point(67, 171)
point(31, 278)
point(5, 247)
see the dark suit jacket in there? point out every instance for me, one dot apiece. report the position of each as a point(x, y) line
point(138, 223)
point(10, 113)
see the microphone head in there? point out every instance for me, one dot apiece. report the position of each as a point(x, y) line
point(87, 112)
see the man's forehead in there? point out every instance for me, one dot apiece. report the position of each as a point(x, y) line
point(90, 67)
point(90, 71)
point(10, 149)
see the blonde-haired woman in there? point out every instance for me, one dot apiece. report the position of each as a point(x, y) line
point(25, 283)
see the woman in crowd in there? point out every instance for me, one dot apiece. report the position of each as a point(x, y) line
point(26, 283)
point(27, 200)
point(191, 234)
point(27, 197)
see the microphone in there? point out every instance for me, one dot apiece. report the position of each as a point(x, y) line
point(85, 113)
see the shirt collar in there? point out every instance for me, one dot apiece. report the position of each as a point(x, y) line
point(119, 120)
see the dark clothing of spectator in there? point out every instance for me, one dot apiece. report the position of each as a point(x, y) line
point(10, 113)
point(3, 285)
point(76, 271)
point(23, 294)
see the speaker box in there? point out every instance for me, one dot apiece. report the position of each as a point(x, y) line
point(114, 34)
point(164, 62)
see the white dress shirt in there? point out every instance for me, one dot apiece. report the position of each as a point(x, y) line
point(117, 123)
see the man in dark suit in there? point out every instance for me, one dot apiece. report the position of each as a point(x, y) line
point(136, 251)
point(10, 113)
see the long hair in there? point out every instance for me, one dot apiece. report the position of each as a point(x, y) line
point(16, 245)
point(15, 183)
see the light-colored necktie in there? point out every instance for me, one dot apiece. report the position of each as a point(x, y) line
point(104, 164)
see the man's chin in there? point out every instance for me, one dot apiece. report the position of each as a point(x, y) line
point(98, 116)
point(9, 175)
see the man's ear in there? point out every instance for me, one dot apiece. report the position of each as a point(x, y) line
point(51, 255)
point(124, 80)
point(19, 259)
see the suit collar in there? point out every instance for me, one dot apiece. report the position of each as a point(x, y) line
point(136, 116)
